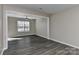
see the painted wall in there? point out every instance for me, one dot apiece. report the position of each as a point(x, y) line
point(42, 27)
point(12, 28)
point(64, 27)
point(1, 28)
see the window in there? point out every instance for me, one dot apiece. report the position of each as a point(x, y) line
point(23, 26)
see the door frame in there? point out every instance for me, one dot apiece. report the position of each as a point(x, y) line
point(15, 14)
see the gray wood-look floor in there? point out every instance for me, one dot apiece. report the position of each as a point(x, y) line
point(35, 45)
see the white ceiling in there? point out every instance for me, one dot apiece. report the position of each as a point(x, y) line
point(46, 8)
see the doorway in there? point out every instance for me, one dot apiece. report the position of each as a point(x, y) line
point(41, 25)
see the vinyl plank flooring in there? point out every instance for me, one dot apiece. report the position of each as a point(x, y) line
point(36, 45)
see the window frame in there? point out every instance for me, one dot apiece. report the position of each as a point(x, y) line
point(23, 26)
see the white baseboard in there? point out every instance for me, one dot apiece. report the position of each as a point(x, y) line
point(42, 36)
point(3, 50)
point(64, 43)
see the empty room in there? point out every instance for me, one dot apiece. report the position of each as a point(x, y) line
point(39, 29)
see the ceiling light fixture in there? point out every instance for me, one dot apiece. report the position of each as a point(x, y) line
point(40, 8)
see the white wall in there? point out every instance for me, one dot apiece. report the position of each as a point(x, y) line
point(1, 28)
point(64, 27)
point(42, 27)
point(12, 27)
